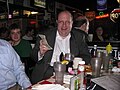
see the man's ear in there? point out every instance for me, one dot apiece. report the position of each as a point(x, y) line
point(56, 22)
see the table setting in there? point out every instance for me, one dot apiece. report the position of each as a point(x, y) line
point(62, 76)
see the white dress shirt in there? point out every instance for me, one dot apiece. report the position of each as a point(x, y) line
point(61, 45)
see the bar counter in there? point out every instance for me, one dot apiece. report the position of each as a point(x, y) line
point(102, 45)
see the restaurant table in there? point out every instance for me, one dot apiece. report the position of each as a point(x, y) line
point(107, 81)
point(50, 80)
point(66, 82)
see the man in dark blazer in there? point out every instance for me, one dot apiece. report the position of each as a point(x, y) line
point(82, 23)
point(75, 44)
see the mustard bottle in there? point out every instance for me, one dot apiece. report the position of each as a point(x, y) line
point(108, 48)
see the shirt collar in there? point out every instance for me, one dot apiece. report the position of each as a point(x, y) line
point(58, 36)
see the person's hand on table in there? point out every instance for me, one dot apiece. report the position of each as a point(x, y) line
point(29, 88)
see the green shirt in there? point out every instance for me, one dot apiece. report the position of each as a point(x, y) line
point(23, 49)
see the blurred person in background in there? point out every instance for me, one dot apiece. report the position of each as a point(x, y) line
point(4, 33)
point(98, 36)
point(64, 39)
point(21, 46)
point(12, 74)
point(82, 24)
point(29, 34)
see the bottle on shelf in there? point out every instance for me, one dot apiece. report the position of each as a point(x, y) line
point(109, 52)
point(110, 66)
point(94, 51)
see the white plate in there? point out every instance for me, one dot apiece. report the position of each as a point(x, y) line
point(49, 87)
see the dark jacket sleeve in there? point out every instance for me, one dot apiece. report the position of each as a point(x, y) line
point(82, 46)
point(84, 51)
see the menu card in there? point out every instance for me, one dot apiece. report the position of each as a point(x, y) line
point(43, 37)
point(110, 82)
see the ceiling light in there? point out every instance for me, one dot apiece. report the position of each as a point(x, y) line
point(34, 12)
point(87, 9)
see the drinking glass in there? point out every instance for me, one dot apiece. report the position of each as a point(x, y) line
point(96, 66)
point(59, 72)
point(68, 57)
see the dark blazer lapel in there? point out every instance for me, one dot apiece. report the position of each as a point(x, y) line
point(51, 38)
point(51, 41)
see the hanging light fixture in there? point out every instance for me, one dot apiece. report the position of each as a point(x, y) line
point(101, 5)
point(118, 2)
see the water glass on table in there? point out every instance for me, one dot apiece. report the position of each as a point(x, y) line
point(59, 72)
point(96, 66)
point(106, 59)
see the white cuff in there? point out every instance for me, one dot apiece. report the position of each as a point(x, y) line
point(39, 56)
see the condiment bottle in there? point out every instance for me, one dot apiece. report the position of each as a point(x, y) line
point(81, 66)
point(81, 69)
point(75, 81)
point(75, 64)
point(109, 48)
point(94, 51)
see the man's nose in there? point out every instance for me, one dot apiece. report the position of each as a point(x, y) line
point(64, 25)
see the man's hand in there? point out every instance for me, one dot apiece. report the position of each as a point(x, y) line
point(43, 48)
